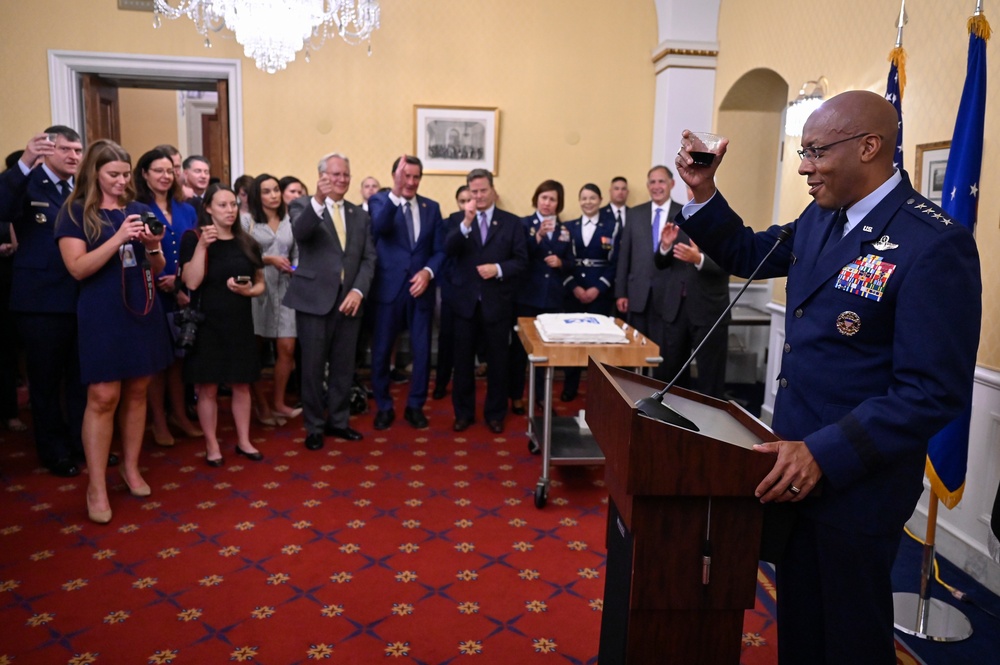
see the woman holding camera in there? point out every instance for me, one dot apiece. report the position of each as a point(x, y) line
point(122, 331)
point(270, 227)
point(156, 186)
point(222, 266)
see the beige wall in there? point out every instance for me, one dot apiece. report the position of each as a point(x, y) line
point(149, 118)
point(573, 81)
point(849, 42)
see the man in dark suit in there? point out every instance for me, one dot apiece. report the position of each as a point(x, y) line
point(407, 232)
point(695, 297)
point(197, 177)
point(335, 271)
point(640, 287)
point(446, 319)
point(490, 254)
point(43, 294)
point(867, 375)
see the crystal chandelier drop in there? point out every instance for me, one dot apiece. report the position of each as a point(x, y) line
point(273, 31)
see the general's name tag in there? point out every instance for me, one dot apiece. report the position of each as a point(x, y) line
point(866, 277)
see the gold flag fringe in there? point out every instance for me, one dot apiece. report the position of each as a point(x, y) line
point(980, 27)
point(897, 56)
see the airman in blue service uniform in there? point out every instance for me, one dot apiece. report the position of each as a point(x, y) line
point(882, 328)
point(594, 239)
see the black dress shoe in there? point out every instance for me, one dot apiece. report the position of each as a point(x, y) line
point(113, 460)
point(64, 468)
point(314, 441)
point(384, 418)
point(398, 376)
point(343, 433)
point(215, 462)
point(439, 392)
point(415, 417)
point(496, 426)
point(461, 424)
point(568, 396)
point(253, 457)
point(517, 407)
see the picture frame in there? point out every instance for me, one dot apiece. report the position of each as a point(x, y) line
point(453, 140)
point(930, 165)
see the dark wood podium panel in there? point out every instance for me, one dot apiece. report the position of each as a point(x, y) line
point(677, 496)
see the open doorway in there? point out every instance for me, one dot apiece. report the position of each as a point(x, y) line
point(140, 113)
point(140, 77)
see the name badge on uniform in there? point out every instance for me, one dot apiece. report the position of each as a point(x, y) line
point(127, 255)
point(866, 277)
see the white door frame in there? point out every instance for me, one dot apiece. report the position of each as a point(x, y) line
point(66, 96)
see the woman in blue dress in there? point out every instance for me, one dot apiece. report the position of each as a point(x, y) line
point(123, 333)
point(222, 266)
point(156, 186)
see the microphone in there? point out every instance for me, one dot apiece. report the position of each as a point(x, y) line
point(653, 406)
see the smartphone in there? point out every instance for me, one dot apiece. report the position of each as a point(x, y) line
point(242, 279)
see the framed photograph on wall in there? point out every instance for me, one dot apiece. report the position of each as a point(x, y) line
point(453, 140)
point(932, 160)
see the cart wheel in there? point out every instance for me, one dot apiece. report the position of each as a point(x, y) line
point(541, 496)
point(533, 447)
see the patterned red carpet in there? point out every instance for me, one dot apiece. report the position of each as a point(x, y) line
point(419, 546)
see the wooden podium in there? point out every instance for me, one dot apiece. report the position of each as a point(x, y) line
point(676, 496)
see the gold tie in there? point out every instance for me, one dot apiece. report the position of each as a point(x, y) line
point(338, 225)
point(341, 229)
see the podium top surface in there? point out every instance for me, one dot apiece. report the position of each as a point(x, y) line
point(639, 352)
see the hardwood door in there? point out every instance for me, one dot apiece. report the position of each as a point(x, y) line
point(101, 114)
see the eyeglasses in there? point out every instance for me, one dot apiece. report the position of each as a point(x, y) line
point(815, 152)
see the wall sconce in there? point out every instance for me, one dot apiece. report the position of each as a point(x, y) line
point(811, 95)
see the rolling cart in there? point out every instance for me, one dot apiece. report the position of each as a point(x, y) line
point(563, 440)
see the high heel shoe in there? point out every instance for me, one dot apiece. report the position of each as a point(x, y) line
point(98, 516)
point(254, 457)
point(189, 430)
point(215, 463)
point(290, 414)
point(141, 491)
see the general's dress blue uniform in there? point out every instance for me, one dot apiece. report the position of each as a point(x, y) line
point(594, 265)
point(43, 298)
point(881, 333)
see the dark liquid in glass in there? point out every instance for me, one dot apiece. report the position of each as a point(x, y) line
point(702, 158)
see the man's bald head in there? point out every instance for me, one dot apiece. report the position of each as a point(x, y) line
point(856, 132)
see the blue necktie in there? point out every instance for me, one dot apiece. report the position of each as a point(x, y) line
point(836, 231)
point(408, 216)
point(656, 230)
point(484, 227)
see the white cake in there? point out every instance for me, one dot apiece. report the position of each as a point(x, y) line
point(579, 328)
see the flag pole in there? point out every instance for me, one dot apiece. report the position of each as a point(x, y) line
point(912, 611)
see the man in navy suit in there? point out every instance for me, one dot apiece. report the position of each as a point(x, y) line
point(407, 231)
point(43, 295)
point(490, 254)
point(335, 271)
point(882, 328)
point(446, 318)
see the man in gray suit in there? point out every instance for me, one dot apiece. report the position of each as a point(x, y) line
point(663, 303)
point(335, 271)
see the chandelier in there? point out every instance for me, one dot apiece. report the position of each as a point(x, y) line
point(811, 96)
point(273, 31)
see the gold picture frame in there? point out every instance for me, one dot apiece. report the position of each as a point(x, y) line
point(453, 140)
point(929, 168)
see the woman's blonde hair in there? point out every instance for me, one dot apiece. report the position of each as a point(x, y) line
point(88, 187)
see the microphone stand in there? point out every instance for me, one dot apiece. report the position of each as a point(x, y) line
point(653, 406)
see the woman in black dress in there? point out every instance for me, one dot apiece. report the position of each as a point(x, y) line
point(122, 329)
point(222, 266)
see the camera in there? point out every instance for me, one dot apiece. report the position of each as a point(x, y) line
point(153, 225)
point(187, 321)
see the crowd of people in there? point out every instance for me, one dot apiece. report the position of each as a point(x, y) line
point(145, 286)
